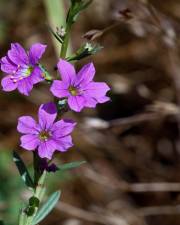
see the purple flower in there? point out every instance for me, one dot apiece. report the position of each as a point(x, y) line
point(46, 135)
point(80, 90)
point(22, 68)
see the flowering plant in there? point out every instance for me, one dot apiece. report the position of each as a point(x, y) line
point(45, 136)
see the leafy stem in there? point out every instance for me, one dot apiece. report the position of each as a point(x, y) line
point(36, 163)
point(65, 43)
point(27, 215)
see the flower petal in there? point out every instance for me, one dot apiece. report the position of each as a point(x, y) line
point(27, 125)
point(96, 90)
point(46, 149)
point(90, 102)
point(59, 89)
point(35, 53)
point(64, 143)
point(7, 66)
point(86, 74)
point(47, 114)
point(62, 128)
point(67, 71)
point(18, 55)
point(76, 103)
point(36, 76)
point(25, 86)
point(29, 141)
point(103, 99)
point(8, 84)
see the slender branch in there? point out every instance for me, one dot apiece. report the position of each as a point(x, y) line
point(93, 217)
point(65, 43)
point(134, 187)
point(159, 210)
point(37, 172)
point(39, 191)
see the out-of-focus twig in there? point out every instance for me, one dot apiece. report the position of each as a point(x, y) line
point(154, 111)
point(136, 50)
point(134, 187)
point(134, 119)
point(159, 210)
point(173, 69)
point(108, 219)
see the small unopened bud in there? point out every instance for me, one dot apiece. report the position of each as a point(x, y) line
point(60, 31)
point(88, 46)
point(84, 51)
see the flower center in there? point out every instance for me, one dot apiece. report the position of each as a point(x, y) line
point(73, 90)
point(21, 73)
point(44, 135)
point(27, 71)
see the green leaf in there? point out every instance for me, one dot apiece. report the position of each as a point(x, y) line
point(72, 165)
point(75, 9)
point(85, 5)
point(22, 170)
point(58, 38)
point(47, 207)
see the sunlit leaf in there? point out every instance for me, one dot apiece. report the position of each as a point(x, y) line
point(72, 165)
point(47, 207)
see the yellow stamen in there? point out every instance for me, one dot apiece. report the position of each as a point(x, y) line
point(44, 135)
point(73, 91)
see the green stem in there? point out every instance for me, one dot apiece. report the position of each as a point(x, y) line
point(65, 43)
point(55, 10)
point(22, 218)
point(37, 172)
point(40, 189)
point(38, 192)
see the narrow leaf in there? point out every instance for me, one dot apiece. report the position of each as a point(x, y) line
point(86, 4)
point(47, 207)
point(22, 170)
point(55, 10)
point(72, 165)
point(55, 35)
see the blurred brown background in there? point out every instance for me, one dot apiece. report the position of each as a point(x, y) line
point(131, 144)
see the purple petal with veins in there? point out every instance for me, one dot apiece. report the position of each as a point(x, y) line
point(22, 68)
point(79, 89)
point(47, 136)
